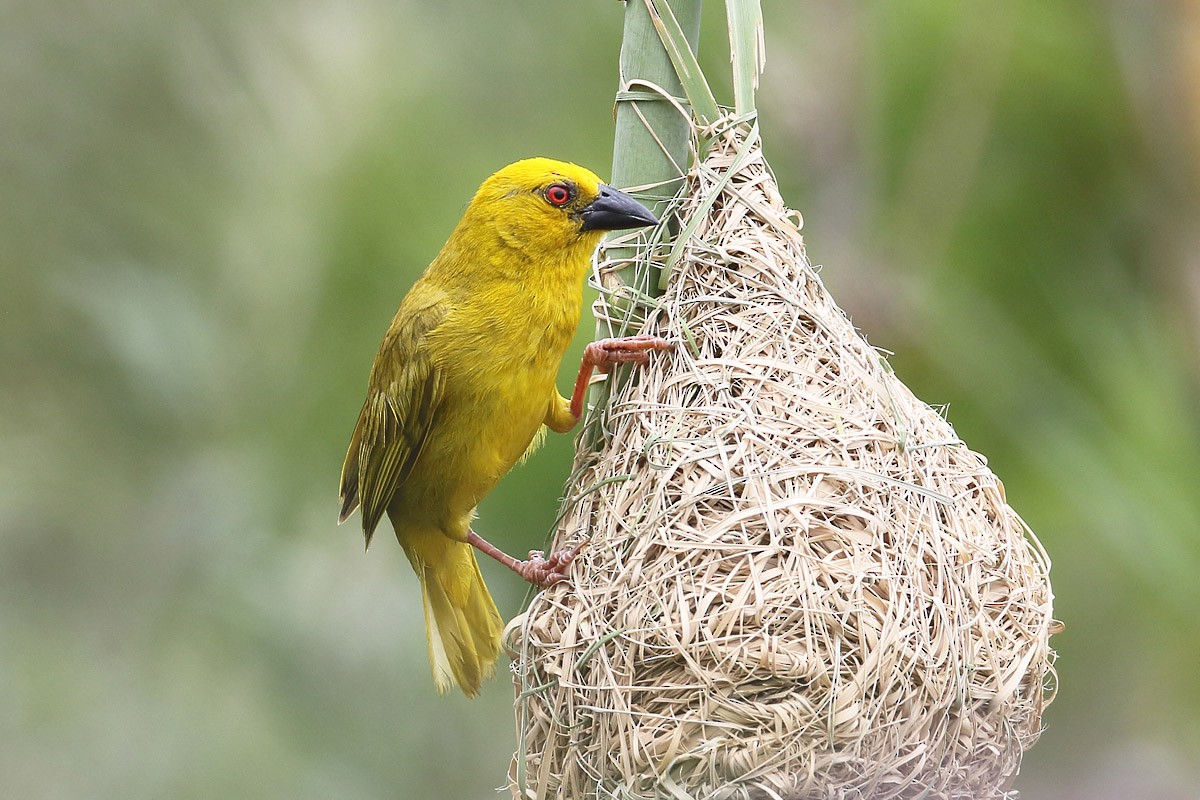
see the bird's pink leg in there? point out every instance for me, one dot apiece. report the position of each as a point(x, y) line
point(542, 572)
point(604, 353)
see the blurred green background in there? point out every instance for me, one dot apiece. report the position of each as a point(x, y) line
point(209, 211)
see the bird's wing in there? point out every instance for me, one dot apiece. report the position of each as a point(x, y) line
point(402, 400)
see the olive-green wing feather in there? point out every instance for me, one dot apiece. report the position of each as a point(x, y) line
point(403, 395)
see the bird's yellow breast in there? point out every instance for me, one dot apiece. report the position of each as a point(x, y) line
point(499, 349)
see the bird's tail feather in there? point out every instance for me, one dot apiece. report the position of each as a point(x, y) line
point(462, 624)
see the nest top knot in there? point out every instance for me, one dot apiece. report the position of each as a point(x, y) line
point(800, 583)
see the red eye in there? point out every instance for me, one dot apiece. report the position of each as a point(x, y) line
point(558, 194)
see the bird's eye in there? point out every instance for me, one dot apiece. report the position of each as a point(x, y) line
point(559, 194)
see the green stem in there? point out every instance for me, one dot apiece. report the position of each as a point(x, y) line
point(638, 158)
point(650, 147)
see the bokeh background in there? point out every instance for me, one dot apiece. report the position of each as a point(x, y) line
point(210, 209)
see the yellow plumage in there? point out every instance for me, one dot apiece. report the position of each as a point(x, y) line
point(464, 381)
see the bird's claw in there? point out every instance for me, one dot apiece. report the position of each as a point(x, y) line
point(605, 353)
point(544, 572)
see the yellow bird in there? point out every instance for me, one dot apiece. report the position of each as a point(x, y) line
point(464, 382)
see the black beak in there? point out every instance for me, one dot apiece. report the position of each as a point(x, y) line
point(614, 210)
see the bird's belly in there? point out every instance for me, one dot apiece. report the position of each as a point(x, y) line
point(484, 427)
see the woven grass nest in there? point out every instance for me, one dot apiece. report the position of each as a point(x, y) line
point(799, 583)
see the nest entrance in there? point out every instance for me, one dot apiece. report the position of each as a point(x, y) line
point(800, 583)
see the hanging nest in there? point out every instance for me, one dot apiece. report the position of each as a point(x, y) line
point(799, 582)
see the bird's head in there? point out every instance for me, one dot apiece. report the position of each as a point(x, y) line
point(540, 205)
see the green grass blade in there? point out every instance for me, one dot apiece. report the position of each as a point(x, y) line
point(699, 94)
point(746, 50)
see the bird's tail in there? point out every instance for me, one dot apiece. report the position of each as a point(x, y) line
point(462, 624)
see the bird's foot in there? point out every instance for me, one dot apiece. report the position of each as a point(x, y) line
point(544, 572)
point(603, 354)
